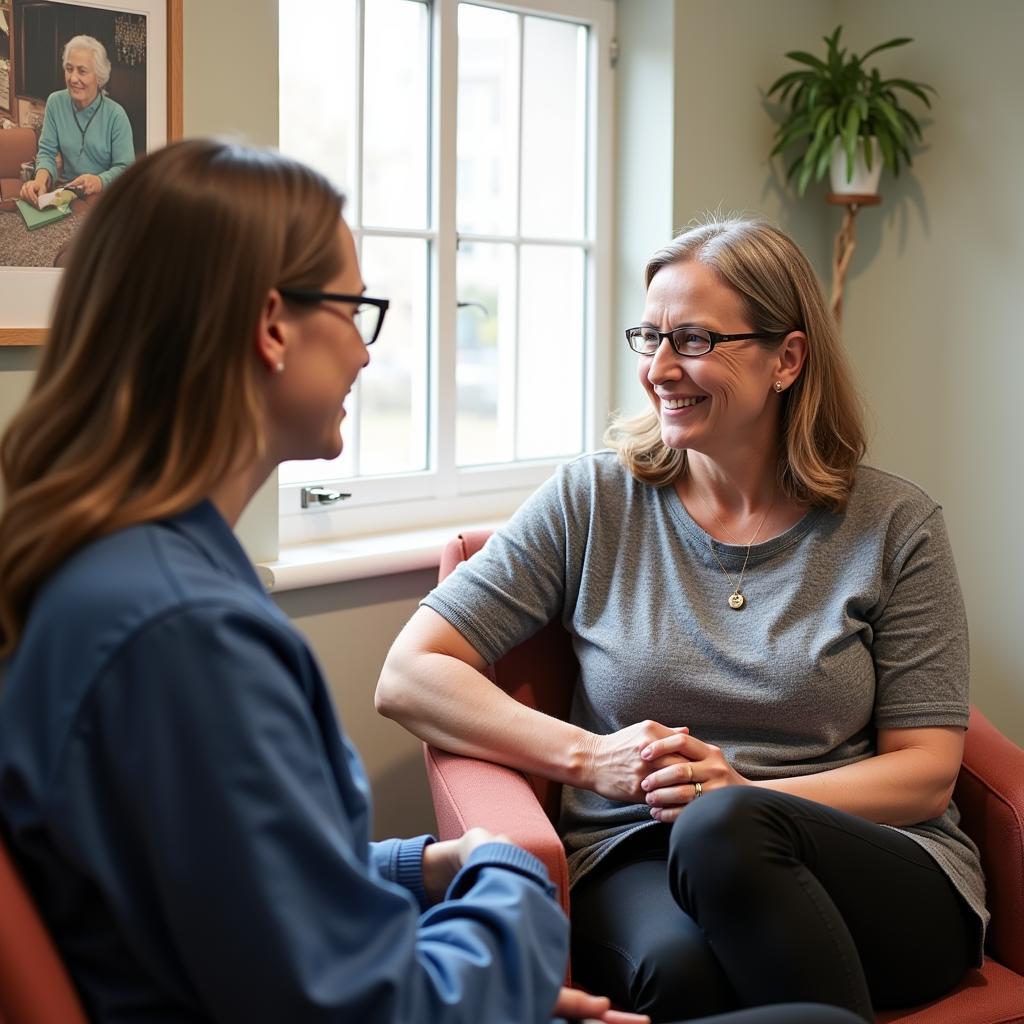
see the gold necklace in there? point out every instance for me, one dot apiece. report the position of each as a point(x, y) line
point(728, 532)
point(736, 598)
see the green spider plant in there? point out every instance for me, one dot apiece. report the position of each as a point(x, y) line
point(839, 97)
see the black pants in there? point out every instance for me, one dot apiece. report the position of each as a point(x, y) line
point(754, 897)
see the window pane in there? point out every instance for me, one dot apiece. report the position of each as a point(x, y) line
point(396, 108)
point(554, 128)
point(314, 131)
point(485, 354)
point(550, 372)
point(393, 388)
point(487, 120)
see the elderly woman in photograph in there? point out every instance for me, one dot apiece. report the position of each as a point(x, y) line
point(91, 131)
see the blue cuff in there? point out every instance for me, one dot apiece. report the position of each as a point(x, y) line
point(401, 861)
point(500, 855)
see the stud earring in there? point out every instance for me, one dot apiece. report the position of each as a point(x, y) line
point(279, 368)
point(778, 385)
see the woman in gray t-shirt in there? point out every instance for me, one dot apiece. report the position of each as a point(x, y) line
point(769, 717)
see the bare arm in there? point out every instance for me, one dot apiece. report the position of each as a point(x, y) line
point(909, 780)
point(433, 684)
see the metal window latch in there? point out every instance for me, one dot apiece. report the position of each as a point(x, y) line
point(312, 497)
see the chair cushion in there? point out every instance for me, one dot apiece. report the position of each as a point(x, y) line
point(34, 987)
point(992, 995)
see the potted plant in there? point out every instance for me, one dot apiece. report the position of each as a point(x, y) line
point(846, 117)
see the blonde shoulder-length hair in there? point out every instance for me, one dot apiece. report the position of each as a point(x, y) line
point(822, 438)
point(148, 388)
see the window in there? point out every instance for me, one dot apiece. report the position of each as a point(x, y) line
point(473, 142)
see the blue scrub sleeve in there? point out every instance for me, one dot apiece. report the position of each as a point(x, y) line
point(202, 800)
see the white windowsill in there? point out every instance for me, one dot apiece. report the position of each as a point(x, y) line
point(357, 558)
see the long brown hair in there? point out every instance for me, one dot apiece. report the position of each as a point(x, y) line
point(823, 438)
point(147, 393)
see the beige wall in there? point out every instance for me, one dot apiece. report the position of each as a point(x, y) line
point(933, 311)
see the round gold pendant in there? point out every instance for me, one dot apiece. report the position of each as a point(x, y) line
point(737, 601)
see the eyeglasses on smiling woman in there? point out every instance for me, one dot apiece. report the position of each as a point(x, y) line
point(686, 341)
point(368, 315)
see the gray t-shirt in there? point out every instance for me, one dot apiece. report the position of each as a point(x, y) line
point(854, 623)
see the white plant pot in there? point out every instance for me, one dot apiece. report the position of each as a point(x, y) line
point(863, 182)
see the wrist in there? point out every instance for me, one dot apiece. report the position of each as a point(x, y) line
point(581, 760)
point(438, 868)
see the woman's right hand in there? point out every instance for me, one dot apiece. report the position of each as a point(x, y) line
point(30, 191)
point(614, 767)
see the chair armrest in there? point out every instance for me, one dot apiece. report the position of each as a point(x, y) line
point(990, 796)
point(469, 793)
point(34, 985)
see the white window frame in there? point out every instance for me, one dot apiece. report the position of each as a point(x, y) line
point(447, 493)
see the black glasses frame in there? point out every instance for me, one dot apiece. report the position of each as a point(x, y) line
point(714, 338)
point(301, 295)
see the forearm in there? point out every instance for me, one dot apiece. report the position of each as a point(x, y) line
point(901, 787)
point(452, 705)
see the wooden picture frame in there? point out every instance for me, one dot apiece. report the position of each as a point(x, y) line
point(26, 293)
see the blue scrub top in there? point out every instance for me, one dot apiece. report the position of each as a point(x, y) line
point(195, 827)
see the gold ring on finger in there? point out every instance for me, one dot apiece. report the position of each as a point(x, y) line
point(697, 790)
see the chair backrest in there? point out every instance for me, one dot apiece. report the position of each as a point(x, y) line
point(990, 795)
point(34, 986)
point(540, 673)
point(17, 146)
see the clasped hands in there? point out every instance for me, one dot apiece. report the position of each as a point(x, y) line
point(661, 766)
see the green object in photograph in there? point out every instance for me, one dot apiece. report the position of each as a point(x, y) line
point(40, 218)
point(838, 98)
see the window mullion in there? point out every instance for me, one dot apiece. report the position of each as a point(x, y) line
point(356, 213)
point(519, 251)
point(600, 156)
point(444, 86)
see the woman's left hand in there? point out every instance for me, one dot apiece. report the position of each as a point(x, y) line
point(670, 789)
point(90, 184)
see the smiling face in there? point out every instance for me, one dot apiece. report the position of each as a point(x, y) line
point(323, 355)
point(720, 402)
point(80, 77)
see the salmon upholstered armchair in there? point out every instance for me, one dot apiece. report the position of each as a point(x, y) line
point(541, 673)
point(34, 986)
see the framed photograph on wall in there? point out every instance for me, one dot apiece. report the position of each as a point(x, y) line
point(86, 88)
